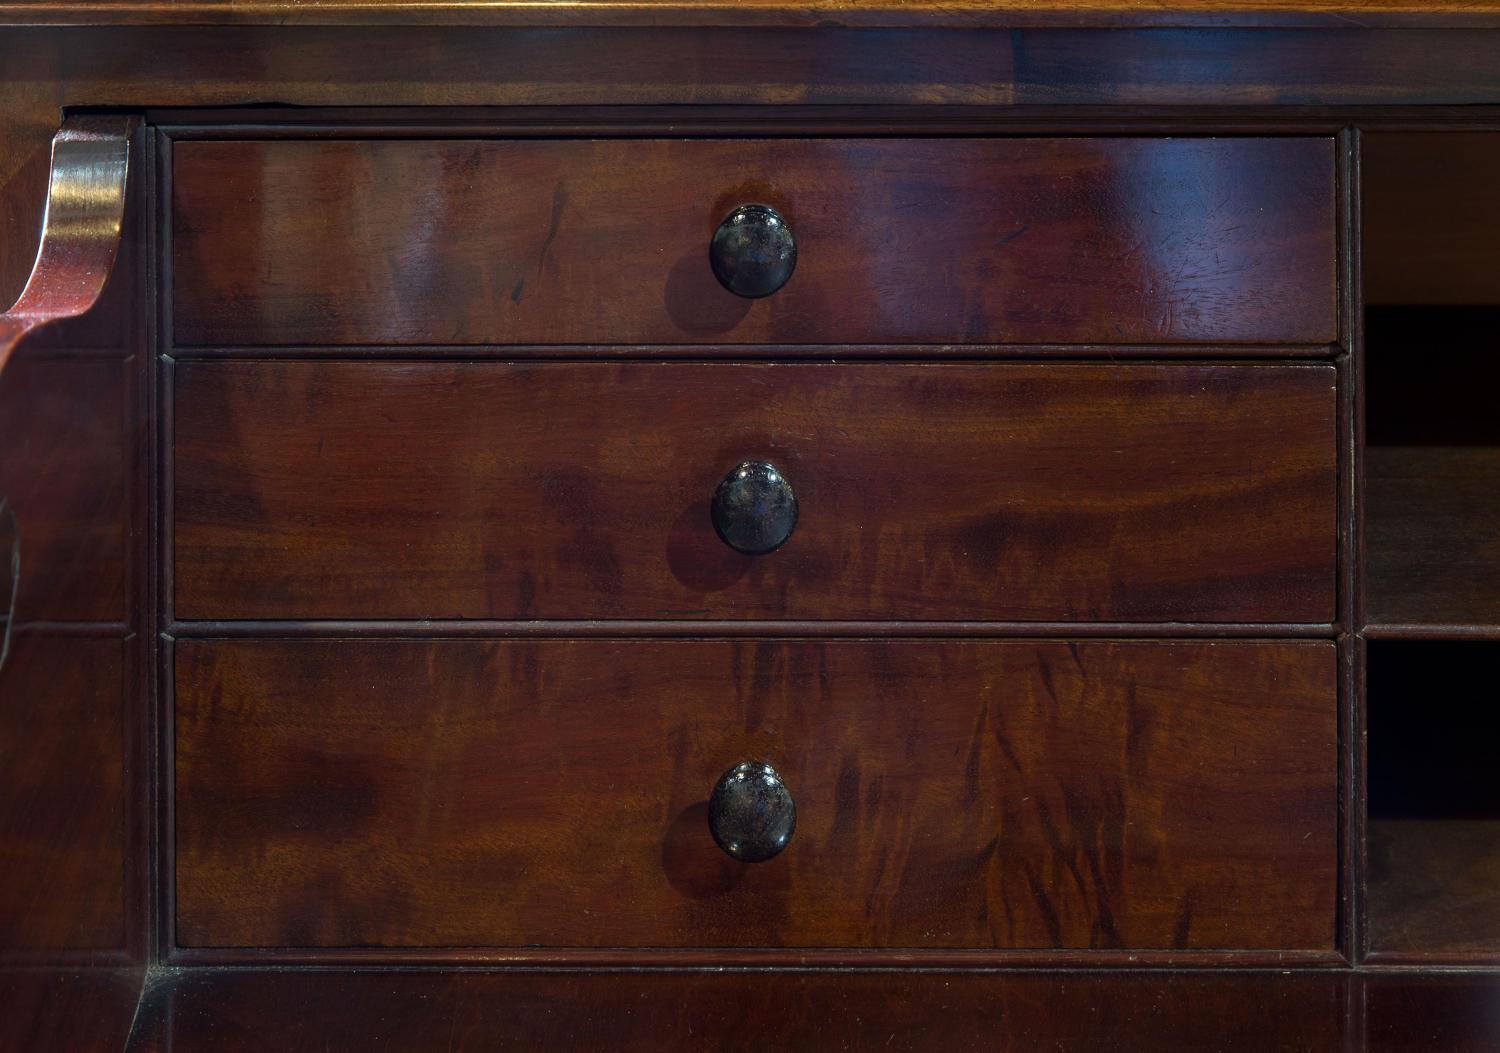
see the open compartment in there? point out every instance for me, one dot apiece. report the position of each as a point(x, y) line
point(1434, 799)
point(1431, 224)
point(1431, 263)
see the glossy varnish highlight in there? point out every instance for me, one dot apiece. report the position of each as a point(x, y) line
point(1021, 240)
point(422, 794)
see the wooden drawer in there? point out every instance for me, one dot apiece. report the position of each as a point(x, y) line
point(466, 793)
point(981, 241)
point(321, 489)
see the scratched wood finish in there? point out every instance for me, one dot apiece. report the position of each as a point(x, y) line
point(899, 241)
point(322, 489)
point(63, 795)
point(552, 794)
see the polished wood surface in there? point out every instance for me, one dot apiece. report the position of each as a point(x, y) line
point(319, 489)
point(1431, 515)
point(73, 715)
point(1435, 888)
point(411, 1012)
point(85, 209)
point(974, 82)
point(76, 1010)
point(552, 794)
point(63, 471)
point(63, 840)
point(1412, 1013)
point(899, 241)
point(661, 1012)
point(1007, 73)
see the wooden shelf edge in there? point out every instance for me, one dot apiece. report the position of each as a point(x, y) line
point(1433, 631)
point(1433, 899)
point(1429, 512)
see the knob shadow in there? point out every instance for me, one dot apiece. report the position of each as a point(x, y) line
point(694, 865)
point(698, 558)
point(698, 304)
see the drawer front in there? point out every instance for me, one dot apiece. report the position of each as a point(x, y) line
point(466, 793)
point(320, 489)
point(1076, 241)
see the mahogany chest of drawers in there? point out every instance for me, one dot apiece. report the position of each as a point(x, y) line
point(564, 501)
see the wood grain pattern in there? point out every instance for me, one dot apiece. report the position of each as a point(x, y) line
point(77, 1010)
point(63, 796)
point(523, 793)
point(1431, 514)
point(50, 70)
point(1435, 889)
point(342, 1012)
point(899, 241)
point(63, 469)
point(319, 489)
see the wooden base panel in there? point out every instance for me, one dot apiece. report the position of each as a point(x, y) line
point(228, 1010)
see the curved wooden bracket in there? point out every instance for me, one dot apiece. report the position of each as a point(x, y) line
point(81, 229)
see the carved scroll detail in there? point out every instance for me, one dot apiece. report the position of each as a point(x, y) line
point(82, 227)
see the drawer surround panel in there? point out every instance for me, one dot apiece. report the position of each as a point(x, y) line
point(318, 489)
point(507, 794)
point(417, 798)
point(1109, 240)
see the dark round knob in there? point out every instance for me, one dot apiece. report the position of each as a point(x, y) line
point(753, 252)
point(751, 814)
point(754, 508)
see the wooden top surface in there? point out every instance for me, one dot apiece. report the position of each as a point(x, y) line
point(973, 13)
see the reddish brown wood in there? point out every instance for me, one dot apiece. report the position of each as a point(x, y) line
point(664, 1012)
point(82, 226)
point(513, 794)
point(50, 70)
point(63, 796)
point(1431, 514)
point(1061, 492)
point(1431, 218)
point(1071, 1012)
point(899, 241)
point(63, 471)
point(78, 1010)
point(73, 715)
point(1453, 1013)
point(1435, 889)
